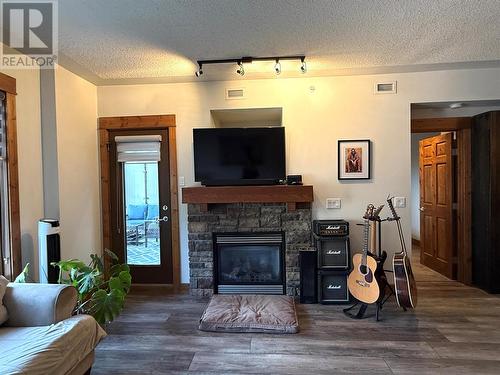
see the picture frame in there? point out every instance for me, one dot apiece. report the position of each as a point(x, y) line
point(354, 159)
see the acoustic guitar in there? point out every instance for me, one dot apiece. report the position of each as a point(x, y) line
point(379, 255)
point(404, 281)
point(361, 282)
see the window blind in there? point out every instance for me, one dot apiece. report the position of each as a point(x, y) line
point(138, 148)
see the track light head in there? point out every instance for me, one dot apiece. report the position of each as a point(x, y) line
point(241, 70)
point(199, 72)
point(277, 66)
point(303, 66)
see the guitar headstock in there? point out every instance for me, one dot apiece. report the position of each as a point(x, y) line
point(369, 211)
point(393, 210)
point(373, 213)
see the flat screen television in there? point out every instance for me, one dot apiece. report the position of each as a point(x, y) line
point(239, 156)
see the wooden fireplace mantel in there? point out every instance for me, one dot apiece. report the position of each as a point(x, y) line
point(289, 194)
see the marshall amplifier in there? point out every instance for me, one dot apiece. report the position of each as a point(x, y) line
point(333, 252)
point(332, 287)
point(331, 228)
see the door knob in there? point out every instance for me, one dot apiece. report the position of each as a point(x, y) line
point(164, 218)
point(422, 209)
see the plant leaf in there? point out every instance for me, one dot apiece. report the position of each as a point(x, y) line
point(88, 281)
point(24, 275)
point(113, 256)
point(126, 280)
point(106, 306)
point(96, 263)
point(121, 282)
point(68, 265)
point(117, 268)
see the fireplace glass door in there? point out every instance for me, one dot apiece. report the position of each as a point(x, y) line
point(249, 263)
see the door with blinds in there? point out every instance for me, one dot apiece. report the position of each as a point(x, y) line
point(140, 203)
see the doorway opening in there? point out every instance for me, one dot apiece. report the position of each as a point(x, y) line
point(441, 185)
point(139, 196)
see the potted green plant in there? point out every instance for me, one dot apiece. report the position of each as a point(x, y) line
point(100, 294)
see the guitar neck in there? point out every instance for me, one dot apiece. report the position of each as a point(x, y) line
point(373, 237)
point(366, 234)
point(393, 210)
point(396, 218)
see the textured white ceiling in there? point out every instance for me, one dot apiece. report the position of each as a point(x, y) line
point(119, 41)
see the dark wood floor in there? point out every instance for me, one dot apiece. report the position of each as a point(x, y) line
point(454, 330)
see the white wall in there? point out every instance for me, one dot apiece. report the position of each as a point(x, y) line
point(78, 166)
point(30, 161)
point(415, 183)
point(76, 111)
point(339, 108)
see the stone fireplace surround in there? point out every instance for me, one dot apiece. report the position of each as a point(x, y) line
point(244, 217)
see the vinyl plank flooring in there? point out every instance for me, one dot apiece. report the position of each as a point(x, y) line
point(455, 329)
point(151, 361)
point(340, 348)
point(477, 335)
point(286, 364)
point(468, 350)
point(234, 344)
point(442, 367)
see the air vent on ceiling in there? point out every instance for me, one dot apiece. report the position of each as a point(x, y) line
point(385, 87)
point(235, 93)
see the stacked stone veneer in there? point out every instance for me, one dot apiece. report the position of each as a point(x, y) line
point(244, 217)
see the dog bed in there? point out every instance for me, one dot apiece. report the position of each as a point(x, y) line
point(250, 313)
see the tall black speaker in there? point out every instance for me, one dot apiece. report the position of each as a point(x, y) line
point(308, 277)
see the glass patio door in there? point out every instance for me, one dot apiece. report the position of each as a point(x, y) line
point(141, 205)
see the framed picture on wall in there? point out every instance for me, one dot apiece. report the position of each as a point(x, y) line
point(354, 159)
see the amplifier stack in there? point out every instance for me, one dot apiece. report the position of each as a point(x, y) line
point(331, 239)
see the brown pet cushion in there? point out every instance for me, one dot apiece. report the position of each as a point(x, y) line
point(250, 313)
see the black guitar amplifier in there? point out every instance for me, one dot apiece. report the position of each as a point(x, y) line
point(332, 287)
point(331, 228)
point(333, 252)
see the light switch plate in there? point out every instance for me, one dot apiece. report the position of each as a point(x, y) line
point(400, 202)
point(182, 181)
point(333, 203)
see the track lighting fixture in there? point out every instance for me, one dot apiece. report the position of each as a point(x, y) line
point(277, 66)
point(241, 70)
point(303, 66)
point(248, 60)
point(199, 72)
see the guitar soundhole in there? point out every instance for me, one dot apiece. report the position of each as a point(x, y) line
point(369, 276)
point(363, 269)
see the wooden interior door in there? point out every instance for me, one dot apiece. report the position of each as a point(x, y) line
point(436, 203)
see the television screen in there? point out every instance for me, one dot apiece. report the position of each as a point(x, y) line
point(239, 156)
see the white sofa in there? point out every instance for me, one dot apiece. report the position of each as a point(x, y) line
point(41, 336)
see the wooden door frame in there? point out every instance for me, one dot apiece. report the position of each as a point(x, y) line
point(8, 85)
point(462, 127)
point(151, 122)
